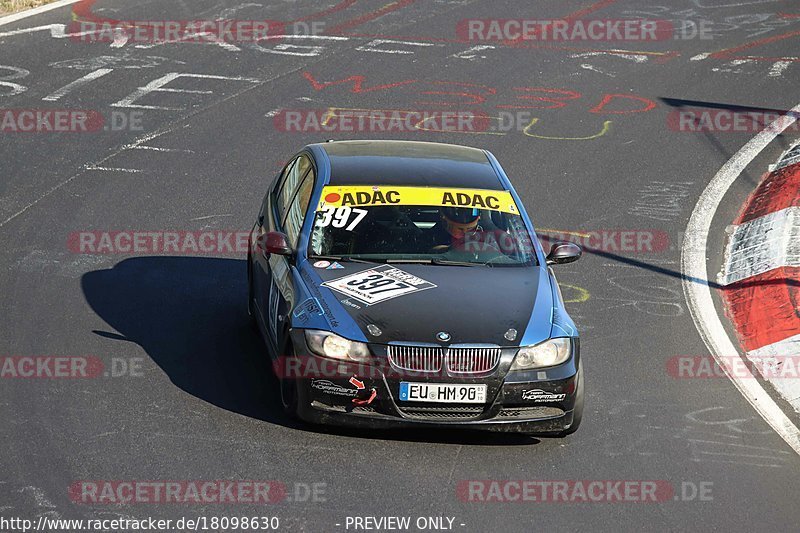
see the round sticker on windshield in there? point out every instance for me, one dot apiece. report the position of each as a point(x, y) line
point(322, 264)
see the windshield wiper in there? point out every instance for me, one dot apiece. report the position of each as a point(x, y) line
point(345, 259)
point(410, 261)
point(456, 263)
point(434, 261)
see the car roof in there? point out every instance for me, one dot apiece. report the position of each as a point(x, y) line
point(410, 163)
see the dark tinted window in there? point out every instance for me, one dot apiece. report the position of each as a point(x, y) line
point(420, 232)
point(295, 215)
point(288, 187)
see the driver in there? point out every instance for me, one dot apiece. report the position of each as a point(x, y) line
point(454, 224)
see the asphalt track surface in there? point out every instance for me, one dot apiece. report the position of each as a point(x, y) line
point(205, 406)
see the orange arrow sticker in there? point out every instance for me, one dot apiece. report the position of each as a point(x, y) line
point(357, 384)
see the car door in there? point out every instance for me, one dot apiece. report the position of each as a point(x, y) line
point(261, 278)
point(282, 297)
point(268, 271)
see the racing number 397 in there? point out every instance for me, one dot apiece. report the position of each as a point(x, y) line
point(376, 281)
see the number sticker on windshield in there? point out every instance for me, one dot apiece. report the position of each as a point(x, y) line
point(338, 217)
point(378, 284)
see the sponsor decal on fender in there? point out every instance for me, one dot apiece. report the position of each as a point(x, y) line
point(329, 387)
point(367, 195)
point(538, 395)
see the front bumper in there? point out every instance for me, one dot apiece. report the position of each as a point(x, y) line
point(538, 401)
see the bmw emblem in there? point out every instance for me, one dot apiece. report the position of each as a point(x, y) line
point(443, 336)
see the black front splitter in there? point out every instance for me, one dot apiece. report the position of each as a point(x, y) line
point(375, 420)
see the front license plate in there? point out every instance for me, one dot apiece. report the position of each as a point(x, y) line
point(442, 393)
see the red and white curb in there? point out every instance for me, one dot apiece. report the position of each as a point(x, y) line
point(761, 273)
point(697, 287)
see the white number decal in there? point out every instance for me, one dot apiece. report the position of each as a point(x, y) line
point(327, 216)
point(360, 214)
point(339, 216)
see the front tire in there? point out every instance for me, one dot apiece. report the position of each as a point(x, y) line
point(288, 391)
point(251, 310)
point(577, 412)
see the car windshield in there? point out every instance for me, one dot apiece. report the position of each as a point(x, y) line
point(420, 224)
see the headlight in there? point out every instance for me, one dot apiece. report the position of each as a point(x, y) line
point(331, 345)
point(549, 353)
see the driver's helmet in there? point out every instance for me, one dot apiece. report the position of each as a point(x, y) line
point(460, 221)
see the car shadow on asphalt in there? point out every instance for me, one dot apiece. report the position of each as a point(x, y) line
point(189, 315)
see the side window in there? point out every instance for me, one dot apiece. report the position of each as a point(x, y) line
point(297, 209)
point(273, 191)
point(288, 188)
point(282, 179)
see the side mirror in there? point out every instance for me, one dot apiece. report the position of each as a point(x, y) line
point(564, 252)
point(274, 242)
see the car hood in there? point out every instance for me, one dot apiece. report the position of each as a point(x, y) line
point(470, 304)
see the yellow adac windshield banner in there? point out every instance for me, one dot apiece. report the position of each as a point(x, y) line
point(369, 195)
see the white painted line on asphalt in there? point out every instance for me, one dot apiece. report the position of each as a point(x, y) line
point(56, 31)
point(778, 68)
point(159, 149)
point(636, 58)
point(206, 217)
point(374, 46)
point(587, 66)
point(472, 53)
point(143, 139)
point(50, 191)
point(696, 288)
point(8, 19)
point(120, 39)
point(296, 50)
point(99, 73)
point(147, 137)
point(309, 36)
point(112, 169)
point(158, 86)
